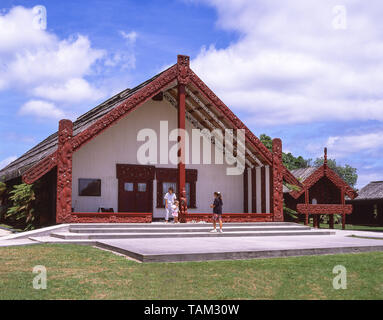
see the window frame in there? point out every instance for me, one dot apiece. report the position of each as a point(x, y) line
point(89, 195)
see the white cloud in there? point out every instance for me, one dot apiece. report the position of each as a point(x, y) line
point(130, 37)
point(6, 161)
point(73, 90)
point(342, 146)
point(289, 65)
point(38, 63)
point(41, 109)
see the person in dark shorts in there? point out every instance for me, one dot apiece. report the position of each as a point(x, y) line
point(217, 211)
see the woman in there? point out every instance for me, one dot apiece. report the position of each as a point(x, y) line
point(170, 197)
point(217, 211)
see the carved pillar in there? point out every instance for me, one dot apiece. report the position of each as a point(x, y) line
point(183, 80)
point(64, 172)
point(277, 180)
point(331, 221)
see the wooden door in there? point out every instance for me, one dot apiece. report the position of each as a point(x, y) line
point(134, 196)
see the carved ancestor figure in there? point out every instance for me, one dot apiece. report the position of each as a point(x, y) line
point(64, 172)
point(277, 180)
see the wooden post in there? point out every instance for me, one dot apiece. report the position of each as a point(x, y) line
point(331, 221)
point(64, 172)
point(183, 79)
point(277, 180)
point(306, 203)
point(245, 191)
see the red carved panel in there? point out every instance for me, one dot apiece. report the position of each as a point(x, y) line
point(106, 217)
point(41, 168)
point(324, 208)
point(64, 172)
point(277, 180)
point(135, 172)
point(183, 69)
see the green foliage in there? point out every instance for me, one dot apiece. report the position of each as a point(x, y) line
point(346, 172)
point(288, 159)
point(3, 187)
point(23, 198)
point(292, 214)
point(325, 218)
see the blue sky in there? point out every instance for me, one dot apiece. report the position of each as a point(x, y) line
point(307, 72)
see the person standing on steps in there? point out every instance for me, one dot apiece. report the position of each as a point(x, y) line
point(170, 197)
point(217, 211)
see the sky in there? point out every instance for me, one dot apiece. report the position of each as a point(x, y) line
point(309, 72)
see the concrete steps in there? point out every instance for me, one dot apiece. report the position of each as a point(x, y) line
point(83, 232)
point(184, 230)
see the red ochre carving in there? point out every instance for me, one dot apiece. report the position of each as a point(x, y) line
point(325, 171)
point(40, 169)
point(277, 180)
point(183, 69)
point(324, 208)
point(91, 217)
point(64, 172)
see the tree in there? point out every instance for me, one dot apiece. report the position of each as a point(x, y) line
point(346, 172)
point(288, 159)
point(22, 207)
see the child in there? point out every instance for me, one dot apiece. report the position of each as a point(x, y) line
point(170, 197)
point(217, 211)
point(175, 211)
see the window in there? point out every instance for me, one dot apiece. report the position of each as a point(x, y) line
point(89, 187)
point(165, 188)
point(128, 186)
point(167, 177)
point(141, 187)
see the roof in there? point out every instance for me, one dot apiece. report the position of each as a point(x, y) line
point(43, 157)
point(372, 191)
point(301, 174)
point(309, 176)
point(49, 145)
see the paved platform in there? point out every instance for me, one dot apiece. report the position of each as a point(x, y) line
point(202, 249)
point(159, 242)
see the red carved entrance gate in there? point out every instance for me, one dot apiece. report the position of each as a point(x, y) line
point(135, 188)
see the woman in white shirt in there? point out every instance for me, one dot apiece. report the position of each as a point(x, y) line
point(170, 197)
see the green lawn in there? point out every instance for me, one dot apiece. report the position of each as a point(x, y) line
point(352, 227)
point(82, 272)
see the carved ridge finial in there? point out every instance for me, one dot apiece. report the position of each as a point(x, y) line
point(325, 157)
point(183, 67)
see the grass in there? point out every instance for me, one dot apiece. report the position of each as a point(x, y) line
point(82, 272)
point(352, 227)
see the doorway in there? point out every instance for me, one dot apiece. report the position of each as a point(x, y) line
point(135, 188)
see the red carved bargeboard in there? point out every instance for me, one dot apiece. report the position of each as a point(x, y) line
point(111, 217)
point(41, 168)
point(138, 98)
point(324, 208)
point(325, 171)
point(230, 217)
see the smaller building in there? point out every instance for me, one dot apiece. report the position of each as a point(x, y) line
point(323, 193)
point(368, 205)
